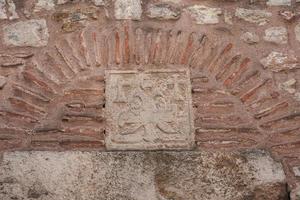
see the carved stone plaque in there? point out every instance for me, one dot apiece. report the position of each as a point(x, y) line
point(148, 110)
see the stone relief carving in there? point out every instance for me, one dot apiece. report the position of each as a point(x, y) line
point(149, 110)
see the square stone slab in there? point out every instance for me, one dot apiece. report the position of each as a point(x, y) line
point(148, 110)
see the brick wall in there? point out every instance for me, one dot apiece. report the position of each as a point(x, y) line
point(242, 56)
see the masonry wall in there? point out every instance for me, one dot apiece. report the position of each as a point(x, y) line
point(243, 58)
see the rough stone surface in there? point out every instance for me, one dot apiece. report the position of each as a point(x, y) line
point(2, 81)
point(150, 110)
point(140, 176)
point(27, 33)
point(277, 61)
point(44, 5)
point(163, 11)
point(260, 17)
point(250, 38)
point(297, 32)
point(128, 9)
point(205, 15)
point(279, 2)
point(277, 35)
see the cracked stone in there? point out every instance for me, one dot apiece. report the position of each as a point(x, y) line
point(259, 17)
point(33, 33)
point(297, 32)
point(277, 61)
point(250, 38)
point(277, 35)
point(279, 2)
point(204, 15)
point(163, 11)
point(44, 5)
point(2, 81)
point(128, 9)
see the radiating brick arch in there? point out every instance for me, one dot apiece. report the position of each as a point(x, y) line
point(58, 100)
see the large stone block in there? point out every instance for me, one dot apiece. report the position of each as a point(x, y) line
point(149, 110)
point(204, 15)
point(32, 33)
point(260, 17)
point(141, 176)
point(277, 35)
point(128, 9)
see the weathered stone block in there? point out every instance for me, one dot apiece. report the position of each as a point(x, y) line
point(205, 15)
point(32, 33)
point(277, 35)
point(260, 17)
point(44, 5)
point(128, 9)
point(163, 11)
point(141, 176)
point(250, 38)
point(279, 2)
point(277, 61)
point(149, 110)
